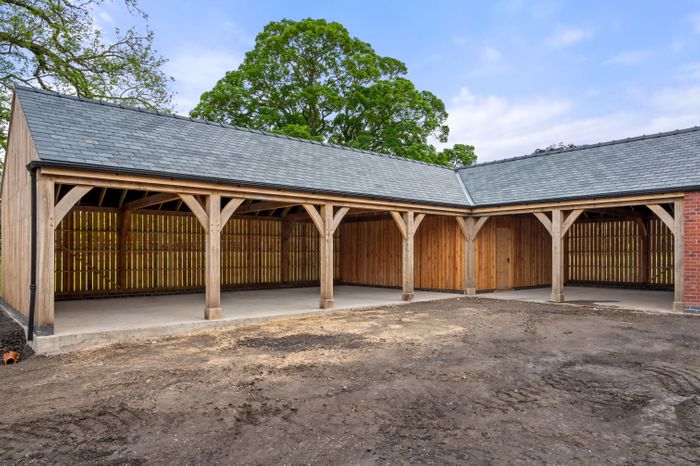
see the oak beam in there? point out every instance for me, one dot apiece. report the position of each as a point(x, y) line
point(570, 220)
point(338, 217)
point(149, 201)
point(663, 215)
point(229, 209)
point(68, 201)
point(315, 217)
point(399, 223)
point(103, 193)
point(542, 217)
point(264, 205)
point(196, 209)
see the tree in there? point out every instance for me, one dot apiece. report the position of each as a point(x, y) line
point(56, 45)
point(461, 155)
point(311, 79)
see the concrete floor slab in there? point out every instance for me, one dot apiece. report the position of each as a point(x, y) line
point(92, 322)
point(642, 300)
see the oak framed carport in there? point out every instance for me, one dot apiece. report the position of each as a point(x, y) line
point(582, 258)
point(117, 201)
point(213, 210)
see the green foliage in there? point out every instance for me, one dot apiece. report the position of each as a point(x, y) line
point(55, 44)
point(460, 155)
point(312, 80)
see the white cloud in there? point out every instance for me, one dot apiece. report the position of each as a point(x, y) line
point(694, 21)
point(567, 36)
point(491, 53)
point(196, 70)
point(689, 72)
point(105, 17)
point(499, 127)
point(630, 57)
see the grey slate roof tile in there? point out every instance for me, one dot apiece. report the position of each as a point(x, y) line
point(62, 127)
point(662, 162)
point(70, 130)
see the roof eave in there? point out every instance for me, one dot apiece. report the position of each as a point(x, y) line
point(229, 182)
point(608, 195)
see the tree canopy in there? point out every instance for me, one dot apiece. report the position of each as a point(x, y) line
point(311, 79)
point(56, 45)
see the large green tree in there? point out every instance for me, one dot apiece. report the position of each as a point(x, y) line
point(312, 80)
point(57, 45)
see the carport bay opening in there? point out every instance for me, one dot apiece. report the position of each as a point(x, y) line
point(106, 227)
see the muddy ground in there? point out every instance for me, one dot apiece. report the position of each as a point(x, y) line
point(456, 381)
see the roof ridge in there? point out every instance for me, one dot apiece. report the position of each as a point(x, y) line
point(586, 146)
point(223, 125)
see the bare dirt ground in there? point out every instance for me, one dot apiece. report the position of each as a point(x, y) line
point(456, 381)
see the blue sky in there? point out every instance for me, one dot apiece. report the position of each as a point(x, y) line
point(514, 74)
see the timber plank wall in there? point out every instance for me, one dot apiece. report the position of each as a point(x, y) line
point(165, 252)
point(370, 253)
point(16, 213)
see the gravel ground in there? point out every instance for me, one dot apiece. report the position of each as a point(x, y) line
point(453, 381)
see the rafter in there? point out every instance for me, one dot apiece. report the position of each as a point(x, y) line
point(149, 201)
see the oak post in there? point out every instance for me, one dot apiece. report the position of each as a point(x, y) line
point(557, 257)
point(326, 250)
point(124, 226)
point(284, 249)
point(470, 259)
point(407, 292)
point(212, 309)
point(678, 256)
point(45, 257)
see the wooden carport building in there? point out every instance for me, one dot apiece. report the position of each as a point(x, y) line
point(100, 200)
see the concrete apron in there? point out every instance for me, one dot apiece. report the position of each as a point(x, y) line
point(85, 324)
point(618, 298)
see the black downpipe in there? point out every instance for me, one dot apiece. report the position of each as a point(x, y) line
point(32, 281)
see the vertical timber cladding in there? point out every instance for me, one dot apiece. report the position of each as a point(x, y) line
point(165, 252)
point(621, 252)
point(371, 253)
point(16, 213)
point(530, 252)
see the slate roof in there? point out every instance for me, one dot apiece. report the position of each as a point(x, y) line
point(92, 134)
point(662, 162)
point(89, 134)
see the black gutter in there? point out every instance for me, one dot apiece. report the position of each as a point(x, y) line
point(32, 281)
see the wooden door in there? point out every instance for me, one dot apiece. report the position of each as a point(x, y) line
point(504, 258)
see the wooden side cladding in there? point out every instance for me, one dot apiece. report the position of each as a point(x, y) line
point(165, 252)
point(371, 253)
point(621, 252)
point(16, 213)
point(531, 252)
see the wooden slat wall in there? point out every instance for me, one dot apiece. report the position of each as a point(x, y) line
point(16, 213)
point(371, 253)
point(165, 252)
point(531, 252)
point(660, 254)
point(612, 252)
